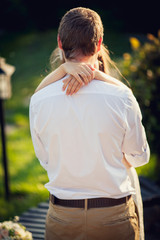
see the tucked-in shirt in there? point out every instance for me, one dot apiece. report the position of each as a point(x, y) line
point(80, 139)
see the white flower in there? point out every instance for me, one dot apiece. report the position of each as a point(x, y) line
point(11, 230)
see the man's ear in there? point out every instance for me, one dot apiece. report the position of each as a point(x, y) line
point(59, 42)
point(99, 44)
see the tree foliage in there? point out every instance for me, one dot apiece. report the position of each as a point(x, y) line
point(142, 69)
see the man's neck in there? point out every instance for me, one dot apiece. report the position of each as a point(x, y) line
point(85, 59)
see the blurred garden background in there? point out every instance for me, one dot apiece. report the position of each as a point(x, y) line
point(28, 35)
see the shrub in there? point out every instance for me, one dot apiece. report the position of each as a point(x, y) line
point(142, 69)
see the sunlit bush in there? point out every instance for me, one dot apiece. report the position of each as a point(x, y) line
point(142, 69)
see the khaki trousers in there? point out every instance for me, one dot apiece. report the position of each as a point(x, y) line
point(109, 223)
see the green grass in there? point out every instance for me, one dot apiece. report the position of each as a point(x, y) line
point(29, 53)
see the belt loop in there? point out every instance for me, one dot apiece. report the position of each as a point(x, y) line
point(86, 204)
point(127, 198)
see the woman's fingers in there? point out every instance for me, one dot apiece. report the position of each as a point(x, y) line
point(84, 77)
point(72, 85)
point(66, 82)
point(77, 88)
point(89, 72)
point(80, 74)
point(78, 77)
point(80, 71)
point(91, 67)
point(83, 72)
point(86, 74)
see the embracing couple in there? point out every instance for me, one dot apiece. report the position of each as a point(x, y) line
point(87, 133)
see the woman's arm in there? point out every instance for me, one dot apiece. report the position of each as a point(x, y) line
point(99, 75)
point(83, 73)
point(52, 77)
point(79, 74)
point(73, 86)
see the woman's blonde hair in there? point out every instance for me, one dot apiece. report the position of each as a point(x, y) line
point(80, 30)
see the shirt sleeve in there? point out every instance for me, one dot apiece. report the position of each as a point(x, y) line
point(37, 143)
point(135, 146)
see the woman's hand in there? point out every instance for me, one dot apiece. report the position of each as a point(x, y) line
point(73, 85)
point(79, 73)
point(82, 72)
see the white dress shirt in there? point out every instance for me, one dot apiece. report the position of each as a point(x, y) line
point(80, 139)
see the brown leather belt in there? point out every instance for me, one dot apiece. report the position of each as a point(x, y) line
point(91, 203)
